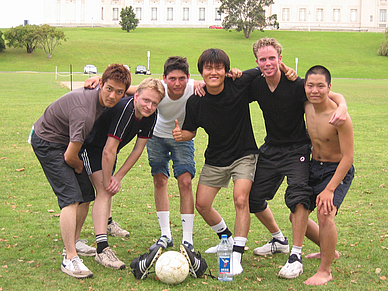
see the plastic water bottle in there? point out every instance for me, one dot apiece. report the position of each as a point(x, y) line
point(224, 259)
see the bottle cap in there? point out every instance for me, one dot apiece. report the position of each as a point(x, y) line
point(224, 236)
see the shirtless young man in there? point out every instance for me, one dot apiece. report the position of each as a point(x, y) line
point(331, 169)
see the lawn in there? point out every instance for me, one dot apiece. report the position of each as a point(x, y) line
point(30, 242)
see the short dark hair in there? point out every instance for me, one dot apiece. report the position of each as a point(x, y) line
point(319, 70)
point(176, 63)
point(213, 56)
point(118, 73)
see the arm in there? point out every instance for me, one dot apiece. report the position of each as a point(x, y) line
point(71, 156)
point(324, 200)
point(132, 158)
point(92, 82)
point(182, 135)
point(131, 90)
point(339, 116)
point(109, 155)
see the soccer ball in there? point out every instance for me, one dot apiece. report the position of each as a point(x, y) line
point(172, 268)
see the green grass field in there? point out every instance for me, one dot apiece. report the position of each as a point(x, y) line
point(30, 241)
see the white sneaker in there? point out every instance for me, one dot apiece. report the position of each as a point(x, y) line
point(272, 247)
point(82, 249)
point(293, 268)
point(236, 263)
point(75, 268)
point(213, 250)
point(114, 229)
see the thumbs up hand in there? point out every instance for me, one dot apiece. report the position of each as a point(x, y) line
point(177, 132)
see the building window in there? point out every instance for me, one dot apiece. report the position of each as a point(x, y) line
point(154, 13)
point(371, 18)
point(320, 14)
point(201, 14)
point(102, 13)
point(302, 14)
point(336, 15)
point(218, 14)
point(170, 14)
point(286, 14)
point(186, 14)
point(353, 15)
point(115, 14)
point(138, 13)
point(383, 15)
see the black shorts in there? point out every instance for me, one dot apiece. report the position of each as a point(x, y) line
point(69, 186)
point(92, 158)
point(276, 162)
point(321, 174)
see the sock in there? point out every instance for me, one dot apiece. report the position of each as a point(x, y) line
point(278, 235)
point(164, 223)
point(297, 251)
point(102, 242)
point(240, 241)
point(187, 227)
point(110, 219)
point(221, 229)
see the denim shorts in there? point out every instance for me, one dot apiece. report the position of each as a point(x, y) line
point(162, 150)
point(321, 174)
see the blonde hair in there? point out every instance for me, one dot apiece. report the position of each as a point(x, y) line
point(266, 41)
point(153, 84)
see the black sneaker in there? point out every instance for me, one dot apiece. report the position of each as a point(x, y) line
point(197, 264)
point(141, 265)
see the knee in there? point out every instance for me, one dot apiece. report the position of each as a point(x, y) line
point(201, 207)
point(241, 202)
point(185, 182)
point(160, 181)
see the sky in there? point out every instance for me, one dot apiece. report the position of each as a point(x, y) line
point(14, 12)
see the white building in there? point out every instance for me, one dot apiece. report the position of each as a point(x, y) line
point(357, 15)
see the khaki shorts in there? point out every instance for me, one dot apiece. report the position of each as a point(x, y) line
point(243, 168)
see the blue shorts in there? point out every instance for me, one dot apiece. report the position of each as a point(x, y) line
point(321, 174)
point(69, 186)
point(162, 150)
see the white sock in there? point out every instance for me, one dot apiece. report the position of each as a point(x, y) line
point(187, 227)
point(220, 227)
point(164, 222)
point(240, 241)
point(297, 251)
point(278, 235)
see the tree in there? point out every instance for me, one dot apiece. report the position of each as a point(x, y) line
point(247, 15)
point(128, 19)
point(383, 50)
point(50, 38)
point(2, 42)
point(23, 36)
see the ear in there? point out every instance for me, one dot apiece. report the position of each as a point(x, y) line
point(100, 83)
point(164, 78)
point(280, 58)
point(188, 77)
point(257, 61)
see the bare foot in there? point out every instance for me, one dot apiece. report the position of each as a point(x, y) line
point(318, 255)
point(320, 278)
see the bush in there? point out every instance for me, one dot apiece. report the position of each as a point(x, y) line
point(2, 42)
point(383, 50)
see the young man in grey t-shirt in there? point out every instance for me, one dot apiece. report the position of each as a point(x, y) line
point(57, 139)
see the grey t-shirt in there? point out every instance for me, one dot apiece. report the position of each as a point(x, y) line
point(70, 118)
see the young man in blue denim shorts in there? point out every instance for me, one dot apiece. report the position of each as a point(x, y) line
point(331, 166)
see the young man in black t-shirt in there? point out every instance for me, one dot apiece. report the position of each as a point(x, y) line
point(231, 151)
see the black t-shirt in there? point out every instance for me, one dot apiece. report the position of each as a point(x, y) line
point(226, 119)
point(120, 122)
point(283, 110)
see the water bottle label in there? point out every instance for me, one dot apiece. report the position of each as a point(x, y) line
point(224, 265)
